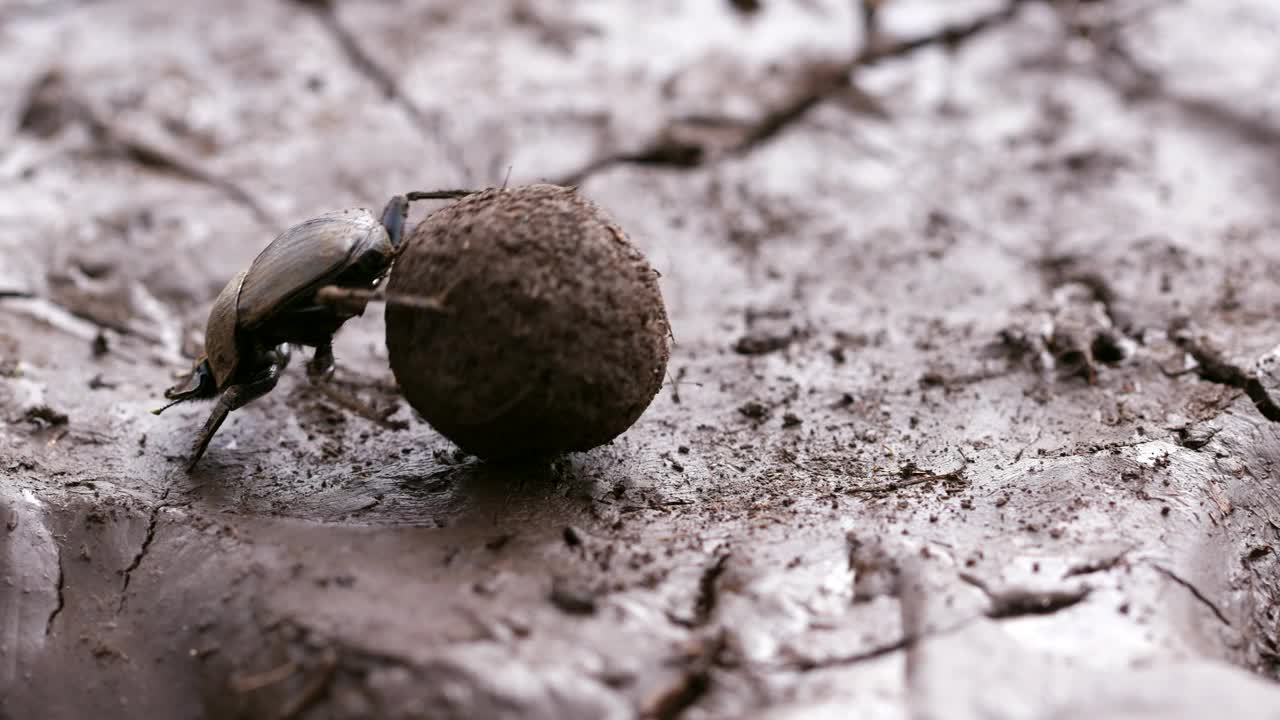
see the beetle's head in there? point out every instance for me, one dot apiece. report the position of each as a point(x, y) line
point(199, 385)
point(397, 210)
point(393, 217)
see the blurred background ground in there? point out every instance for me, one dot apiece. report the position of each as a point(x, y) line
point(859, 493)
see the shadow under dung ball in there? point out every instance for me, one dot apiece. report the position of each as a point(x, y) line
point(550, 334)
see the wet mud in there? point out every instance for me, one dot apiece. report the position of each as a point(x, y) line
point(967, 412)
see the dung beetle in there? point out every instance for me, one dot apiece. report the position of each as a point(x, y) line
point(274, 304)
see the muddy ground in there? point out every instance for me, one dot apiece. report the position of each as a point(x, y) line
point(884, 479)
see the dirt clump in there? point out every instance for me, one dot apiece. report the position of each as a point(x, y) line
point(550, 333)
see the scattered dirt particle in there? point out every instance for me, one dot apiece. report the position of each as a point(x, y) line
point(572, 536)
point(762, 344)
point(572, 599)
point(499, 542)
point(101, 346)
point(1195, 438)
point(754, 410)
point(46, 415)
point(97, 383)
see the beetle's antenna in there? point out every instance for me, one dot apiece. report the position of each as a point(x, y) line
point(439, 194)
point(507, 179)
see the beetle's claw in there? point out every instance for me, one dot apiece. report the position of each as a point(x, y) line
point(159, 410)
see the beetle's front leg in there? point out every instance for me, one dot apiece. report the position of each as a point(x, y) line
point(355, 299)
point(237, 396)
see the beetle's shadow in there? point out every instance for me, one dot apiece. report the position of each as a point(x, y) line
point(430, 493)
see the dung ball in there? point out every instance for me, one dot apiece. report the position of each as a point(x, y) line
point(523, 322)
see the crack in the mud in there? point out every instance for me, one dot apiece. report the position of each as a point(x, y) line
point(708, 591)
point(823, 82)
point(810, 664)
point(704, 603)
point(1213, 366)
point(1020, 602)
point(57, 609)
point(1195, 591)
point(380, 77)
point(691, 686)
point(142, 553)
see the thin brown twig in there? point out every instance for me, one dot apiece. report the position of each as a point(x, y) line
point(359, 407)
point(248, 683)
point(52, 103)
point(671, 150)
point(314, 688)
point(910, 478)
point(383, 79)
point(949, 36)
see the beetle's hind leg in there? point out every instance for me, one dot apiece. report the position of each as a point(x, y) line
point(321, 365)
point(235, 397)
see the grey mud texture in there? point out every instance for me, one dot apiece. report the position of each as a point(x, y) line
point(967, 413)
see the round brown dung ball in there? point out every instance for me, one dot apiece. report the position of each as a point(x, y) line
point(548, 334)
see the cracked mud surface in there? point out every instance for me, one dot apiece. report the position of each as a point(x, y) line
point(967, 414)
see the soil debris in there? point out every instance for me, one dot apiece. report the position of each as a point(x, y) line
point(46, 416)
point(572, 598)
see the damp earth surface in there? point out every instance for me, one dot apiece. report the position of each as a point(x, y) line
point(968, 410)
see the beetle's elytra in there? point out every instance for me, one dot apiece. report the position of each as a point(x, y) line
point(273, 304)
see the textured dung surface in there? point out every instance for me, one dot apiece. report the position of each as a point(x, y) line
point(552, 336)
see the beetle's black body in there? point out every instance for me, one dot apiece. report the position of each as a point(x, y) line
point(273, 305)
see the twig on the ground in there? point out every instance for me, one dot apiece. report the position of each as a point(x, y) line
point(911, 476)
point(266, 678)
point(692, 684)
point(382, 78)
point(314, 689)
point(52, 104)
point(360, 408)
point(673, 147)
